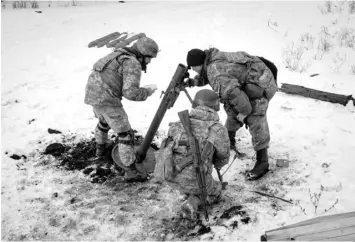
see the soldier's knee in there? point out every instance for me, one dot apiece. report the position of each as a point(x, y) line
point(121, 127)
point(103, 127)
point(126, 137)
point(124, 134)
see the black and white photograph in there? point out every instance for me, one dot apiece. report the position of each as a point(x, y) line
point(177, 120)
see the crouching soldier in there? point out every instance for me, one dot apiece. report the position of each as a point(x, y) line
point(245, 85)
point(174, 161)
point(115, 76)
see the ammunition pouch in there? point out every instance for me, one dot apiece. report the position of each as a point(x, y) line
point(260, 106)
point(228, 106)
point(164, 167)
point(253, 91)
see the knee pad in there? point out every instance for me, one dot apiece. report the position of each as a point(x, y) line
point(103, 127)
point(126, 137)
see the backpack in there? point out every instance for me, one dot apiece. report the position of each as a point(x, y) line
point(258, 78)
point(271, 66)
point(164, 166)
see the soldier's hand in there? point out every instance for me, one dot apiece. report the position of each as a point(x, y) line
point(191, 82)
point(241, 117)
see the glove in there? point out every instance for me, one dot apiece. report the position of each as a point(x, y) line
point(191, 82)
point(241, 117)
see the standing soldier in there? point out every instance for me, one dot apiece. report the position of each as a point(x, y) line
point(245, 84)
point(115, 76)
point(214, 149)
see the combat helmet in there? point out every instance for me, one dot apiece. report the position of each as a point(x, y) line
point(147, 47)
point(207, 98)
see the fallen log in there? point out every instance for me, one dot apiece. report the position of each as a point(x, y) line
point(316, 94)
point(338, 227)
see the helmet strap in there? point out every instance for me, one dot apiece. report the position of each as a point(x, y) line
point(138, 56)
point(144, 66)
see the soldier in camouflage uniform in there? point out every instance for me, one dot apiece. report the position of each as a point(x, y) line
point(214, 147)
point(245, 85)
point(115, 76)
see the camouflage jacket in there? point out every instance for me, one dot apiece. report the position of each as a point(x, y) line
point(207, 129)
point(237, 77)
point(115, 75)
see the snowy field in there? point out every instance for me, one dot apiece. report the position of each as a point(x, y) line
point(45, 63)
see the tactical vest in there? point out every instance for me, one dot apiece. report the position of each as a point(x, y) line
point(108, 68)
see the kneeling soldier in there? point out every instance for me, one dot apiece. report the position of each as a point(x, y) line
point(214, 147)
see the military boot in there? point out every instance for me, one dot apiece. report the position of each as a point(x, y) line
point(231, 135)
point(189, 207)
point(261, 166)
point(133, 175)
point(100, 150)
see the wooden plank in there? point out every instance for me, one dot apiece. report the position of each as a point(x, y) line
point(349, 237)
point(316, 94)
point(317, 219)
point(335, 233)
point(322, 226)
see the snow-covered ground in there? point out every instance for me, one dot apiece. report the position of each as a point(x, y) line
point(45, 63)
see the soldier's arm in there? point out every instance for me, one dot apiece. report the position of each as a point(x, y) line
point(199, 82)
point(219, 138)
point(132, 72)
point(229, 88)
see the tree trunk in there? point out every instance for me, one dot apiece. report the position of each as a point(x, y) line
point(316, 94)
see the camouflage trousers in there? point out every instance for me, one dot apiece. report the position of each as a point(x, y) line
point(110, 117)
point(256, 122)
point(115, 118)
point(186, 182)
